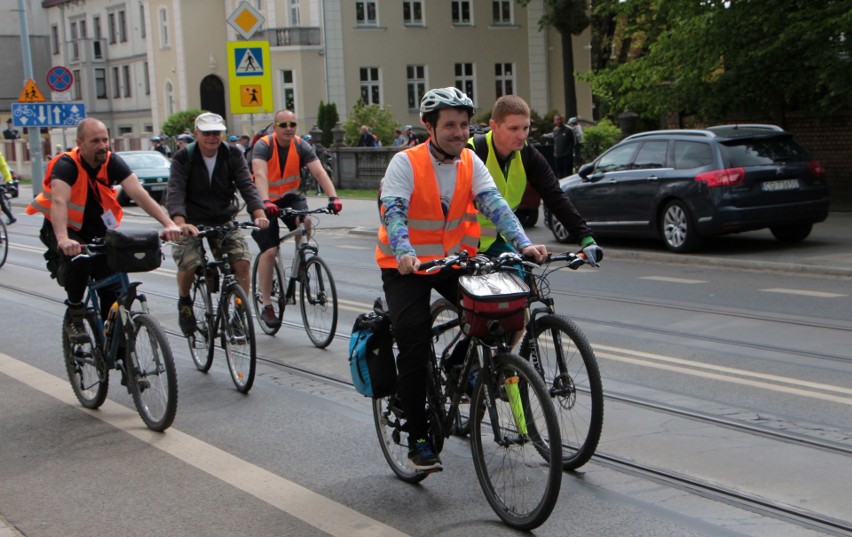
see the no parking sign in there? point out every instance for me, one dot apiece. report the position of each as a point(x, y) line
point(59, 78)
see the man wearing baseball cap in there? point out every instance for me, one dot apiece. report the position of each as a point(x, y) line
point(204, 178)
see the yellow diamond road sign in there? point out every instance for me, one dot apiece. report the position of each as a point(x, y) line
point(246, 20)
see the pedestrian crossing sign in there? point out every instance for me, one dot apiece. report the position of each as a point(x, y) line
point(249, 77)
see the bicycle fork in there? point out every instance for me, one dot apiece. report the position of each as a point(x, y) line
point(490, 379)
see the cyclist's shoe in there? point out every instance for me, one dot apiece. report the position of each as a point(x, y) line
point(12, 220)
point(268, 316)
point(76, 326)
point(422, 457)
point(186, 318)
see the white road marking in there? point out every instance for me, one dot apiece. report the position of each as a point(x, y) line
point(312, 508)
point(671, 280)
point(802, 292)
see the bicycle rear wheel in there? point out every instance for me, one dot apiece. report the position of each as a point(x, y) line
point(238, 338)
point(4, 243)
point(278, 292)
point(201, 340)
point(444, 313)
point(318, 302)
point(393, 439)
point(85, 366)
point(521, 485)
point(151, 376)
point(573, 379)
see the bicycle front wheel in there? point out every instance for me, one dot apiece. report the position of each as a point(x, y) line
point(278, 292)
point(84, 364)
point(393, 440)
point(238, 338)
point(318, 302)
point(151, 376)
point(4, 243)
point(201, 339)
point(521, 485)
point(573, 379)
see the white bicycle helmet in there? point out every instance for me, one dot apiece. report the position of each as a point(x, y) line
point(451, 97)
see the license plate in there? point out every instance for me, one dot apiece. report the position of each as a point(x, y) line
point(785, 184)
point(158, 187)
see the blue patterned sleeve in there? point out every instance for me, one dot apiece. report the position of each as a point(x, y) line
point(395, 220)
point(494, 207)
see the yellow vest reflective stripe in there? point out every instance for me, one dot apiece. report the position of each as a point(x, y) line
point(511, 188)
point(431, 234)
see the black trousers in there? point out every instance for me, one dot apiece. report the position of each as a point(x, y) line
point(408, 298)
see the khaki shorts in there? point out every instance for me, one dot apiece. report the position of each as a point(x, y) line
point(189, 251)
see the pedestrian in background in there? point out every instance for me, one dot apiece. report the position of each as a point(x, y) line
point(563, 147)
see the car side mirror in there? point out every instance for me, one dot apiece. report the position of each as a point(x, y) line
point(586, 169)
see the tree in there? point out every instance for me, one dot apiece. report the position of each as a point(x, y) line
point(714, 58)
point(181, 121)
point(327, 118)
point(568, 17)
point(378, 118)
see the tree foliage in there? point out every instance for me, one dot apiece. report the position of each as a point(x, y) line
point(327, 118)
point(181, 121)
point(711, 58)
point(378, 118)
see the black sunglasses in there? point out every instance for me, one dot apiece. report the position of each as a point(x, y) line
point(285, 124)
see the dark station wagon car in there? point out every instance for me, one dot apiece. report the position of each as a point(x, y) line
point(684, 185)
point(152, 169)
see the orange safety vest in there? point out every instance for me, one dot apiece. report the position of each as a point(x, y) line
point(283, 183)
point(432, 235)
point(79, 192)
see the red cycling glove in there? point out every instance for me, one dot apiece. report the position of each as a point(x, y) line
point(335, 205)
point(270, 208)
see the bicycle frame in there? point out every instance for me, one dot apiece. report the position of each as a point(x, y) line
point(302, 250)
point(127, 295)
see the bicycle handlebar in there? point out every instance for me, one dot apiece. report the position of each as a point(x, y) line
point(289, 211)
point(204, 231)
point(478, 264)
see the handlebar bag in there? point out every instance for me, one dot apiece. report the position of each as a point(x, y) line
point(371, 360)
point(500, 296)
point(132, 251)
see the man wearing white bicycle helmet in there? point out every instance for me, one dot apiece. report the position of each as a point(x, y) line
point(429, 199)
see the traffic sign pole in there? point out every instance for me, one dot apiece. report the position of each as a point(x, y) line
point(35, 134)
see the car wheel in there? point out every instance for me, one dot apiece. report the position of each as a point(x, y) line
point(559, 232)
point(677, 228)
point(527, 217)
point(794, 233)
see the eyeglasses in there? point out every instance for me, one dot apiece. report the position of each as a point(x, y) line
point(211, 133)
point(285, 124)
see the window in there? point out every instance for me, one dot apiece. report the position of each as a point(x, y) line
point(412, 12)
point(366, 13)
point(75, 47)
point(125, 130)
point(146, 81)
point(652, 155)
point(76, 89)
point(84, 32)
point(54, 39)
point(142, 20)
point(288, 90)
point(295, 15)
point(164, 28)
point(504, 79)
point(100, 84)
point(125, 75)
point(618, 159)
point(370, 88)
point(461, 12)
point(111, 30)
point(501, 11)
point(122, 26)
point(97, 43)
point(116, 84)
point(689, 155)
point(465, 79)
point(416, 75)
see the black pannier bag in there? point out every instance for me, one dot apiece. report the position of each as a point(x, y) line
point(132, 251)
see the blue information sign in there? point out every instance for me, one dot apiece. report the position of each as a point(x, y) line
point(48, 114)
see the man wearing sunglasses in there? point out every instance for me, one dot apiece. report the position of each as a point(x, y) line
point(276, 161)
point(203, 181)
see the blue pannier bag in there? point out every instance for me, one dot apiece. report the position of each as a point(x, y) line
point(371, 360)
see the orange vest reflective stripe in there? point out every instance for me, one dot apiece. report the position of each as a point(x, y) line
point(79, 192)
point(282, 183)
point(432, 235)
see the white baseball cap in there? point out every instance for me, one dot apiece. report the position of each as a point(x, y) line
point(208, 121)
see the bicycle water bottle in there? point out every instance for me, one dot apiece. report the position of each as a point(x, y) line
point(110, 320)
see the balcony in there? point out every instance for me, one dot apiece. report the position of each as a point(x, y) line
point(294, 36)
